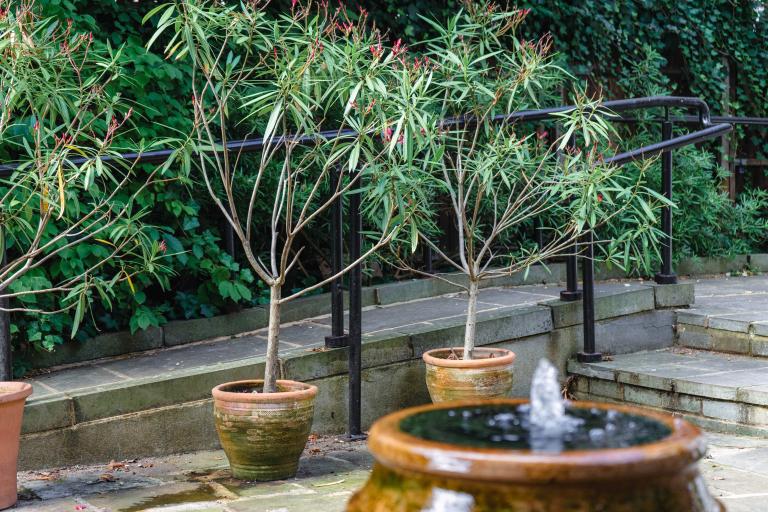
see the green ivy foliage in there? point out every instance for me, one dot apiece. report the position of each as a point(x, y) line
point(703, 42)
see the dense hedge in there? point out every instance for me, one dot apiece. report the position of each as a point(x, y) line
point(687, 43)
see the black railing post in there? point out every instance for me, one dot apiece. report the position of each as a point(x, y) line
point(666, 276)
point(427, 255)
point(229, 239)
point(337, 338)
point(355, 317)
point(571, 291)
point(538, 233)
point(589, 354)
point(6, 370)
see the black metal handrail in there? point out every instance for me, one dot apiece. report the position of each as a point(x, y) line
point(256, 144)
point(353, 338)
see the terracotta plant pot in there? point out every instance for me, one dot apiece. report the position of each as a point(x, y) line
point(12, 398)
point(263, 434)
point(488, 375)
point(414, 474)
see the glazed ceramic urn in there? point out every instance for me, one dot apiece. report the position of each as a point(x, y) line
point(416, 471)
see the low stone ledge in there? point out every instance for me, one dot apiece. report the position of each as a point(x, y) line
point(104, 345)
point(712, 265)
point(492, 327)
point(315, 363)
point(609, 305)
point(179, 332)
point(415, 289)
point(148, 393)
point(48, 413)
point(673, 295)
point(758, 262)
point(185, 427)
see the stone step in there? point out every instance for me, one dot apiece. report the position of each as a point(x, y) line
point(159, 402)
point(730, 315)
point(721, 392)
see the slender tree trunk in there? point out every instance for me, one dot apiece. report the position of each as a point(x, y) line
point(471, 325)
point(272, 368)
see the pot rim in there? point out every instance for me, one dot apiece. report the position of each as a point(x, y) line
point(395, 449)
point(11, 391)
point(301, 392)
point(506, 358)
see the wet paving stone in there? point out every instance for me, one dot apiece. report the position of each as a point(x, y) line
point(736, 471)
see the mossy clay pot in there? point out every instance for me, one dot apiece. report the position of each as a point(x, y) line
point(487, 375)
point(263, 434)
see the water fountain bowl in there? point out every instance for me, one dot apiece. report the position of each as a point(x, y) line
point(416, 472)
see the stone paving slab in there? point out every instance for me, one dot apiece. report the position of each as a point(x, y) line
point(735, 469)
point(737, 472)
point(331, 470)
point(731, 303)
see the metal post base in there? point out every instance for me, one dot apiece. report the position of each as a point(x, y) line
point(337, 341)
point(351, 438)
point(665, 278)
point(591, 357)
point(570, 296)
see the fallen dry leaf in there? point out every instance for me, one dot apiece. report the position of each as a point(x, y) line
point(115, 465)
point(48, 475)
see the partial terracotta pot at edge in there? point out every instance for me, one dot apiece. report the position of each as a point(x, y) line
point(263, 434)
point(12, 398)
point(411, 473)
point(487, 375)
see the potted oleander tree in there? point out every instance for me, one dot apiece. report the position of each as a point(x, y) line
point(322, 92)
point(60, 118)
point(496, 175)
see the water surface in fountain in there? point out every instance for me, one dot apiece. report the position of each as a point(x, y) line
point(548, 424)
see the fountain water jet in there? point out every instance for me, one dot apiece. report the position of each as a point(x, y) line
point(546, 455)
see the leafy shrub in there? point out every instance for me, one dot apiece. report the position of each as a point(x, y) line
point(195, 276)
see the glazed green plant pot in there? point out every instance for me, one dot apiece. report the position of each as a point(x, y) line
point(487, 375)
point(263, 434)
point(415, 473)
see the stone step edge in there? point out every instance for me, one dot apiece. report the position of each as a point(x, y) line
point(646, 380)
point(308, 362)
point(304, 364)
point(181, 332)
point(704, 422)
point(750, 341)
